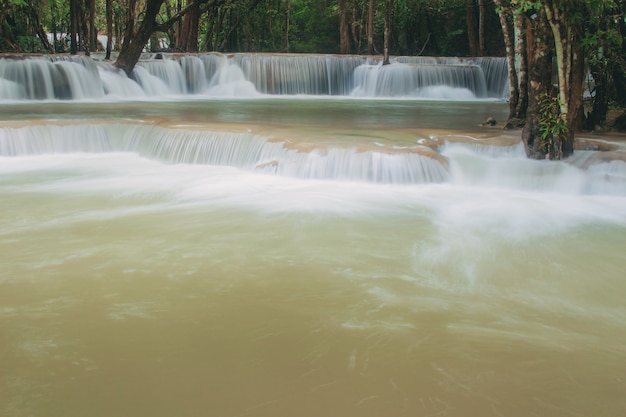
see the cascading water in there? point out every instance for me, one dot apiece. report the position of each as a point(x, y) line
point(243, 151)
point(470, 165)
point(460, 82)
point(250, 74)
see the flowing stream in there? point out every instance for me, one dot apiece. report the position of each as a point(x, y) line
point(301, 255)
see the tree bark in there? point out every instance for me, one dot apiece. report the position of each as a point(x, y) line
point(540, 82)
point(370, 28)
point(237, 22)
point(287, 16)
point(135, 40)
point(567, 33)
point(38, 28)
point(506, 15)
point(514, 33)
point(74, 10)
point(109, 22)
point(344, 32)
point(482, 17)
point(356, 28)
point(521, 33)
point(188, 38)
point(472, 30)
point(92, 40)
point(387, 32)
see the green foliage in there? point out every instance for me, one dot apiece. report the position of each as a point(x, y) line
point(19, 3)
point(552, 124)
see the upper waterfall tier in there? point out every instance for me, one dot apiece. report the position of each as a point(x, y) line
point(249, 75)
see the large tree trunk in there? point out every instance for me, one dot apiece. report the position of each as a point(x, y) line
point(540, 83)
point(567, 35)
point(135, 40)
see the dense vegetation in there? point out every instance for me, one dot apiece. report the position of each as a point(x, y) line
point(427, 27)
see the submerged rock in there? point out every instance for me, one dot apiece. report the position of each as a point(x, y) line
point(490, 121)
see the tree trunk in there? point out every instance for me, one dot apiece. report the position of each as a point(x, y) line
point(370, 28)
point(38, 28)
point(73, 26)
point(482, 17)
point(84, 29)
point(209, 37)
point(287, 16)
point(387, 33)
point(567, 35)
point(109, 19)
point(472, 31)
point(540, 82)
point(239, 18)
point(521, 32)
point(344, 32)
point(135, 40)
point(505, 14)
point(53, 11)
point(93, 31)
point(188, 38)
point(355, 28)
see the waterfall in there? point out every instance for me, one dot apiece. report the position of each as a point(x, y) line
point(168, 72)
point(244, 74)
point(48, 78)
point(300, 74)
point(240, 150)
point(470, 165)
point(420, 80)
point(496, 75)
point(494, 71)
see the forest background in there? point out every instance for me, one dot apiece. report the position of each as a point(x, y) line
point(416, 27)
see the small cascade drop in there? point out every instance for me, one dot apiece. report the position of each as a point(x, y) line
point(496, 75)
point(195, 74)
point(169, 73)
point(244, 151)
point(49, 78)
point(299, 74)
point(494, 69)
point(229, 80)
point(439, 81)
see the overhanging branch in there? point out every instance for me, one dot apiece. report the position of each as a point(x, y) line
point(165, 26)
